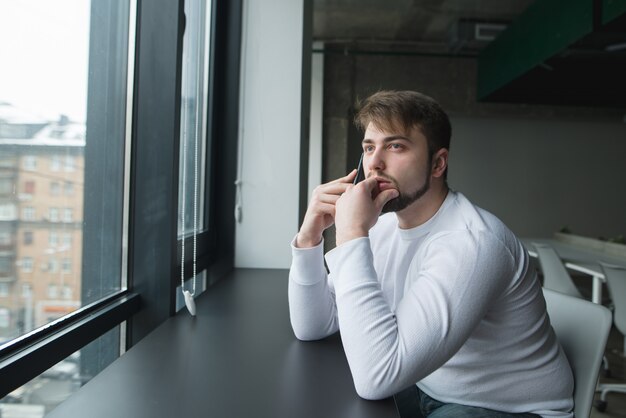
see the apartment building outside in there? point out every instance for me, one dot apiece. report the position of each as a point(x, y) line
point(41, 218)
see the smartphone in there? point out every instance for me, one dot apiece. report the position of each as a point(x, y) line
point(360, 174)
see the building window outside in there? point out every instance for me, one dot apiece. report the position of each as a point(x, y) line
point(5, 317)
point(66, 265)
point(55, 188)
point(6, 187)
point(27, 289)
point(67, 240)
point(56, 133)
point(68, 215)
point(8, 212)
point(5, 265)
point(27, 265)
point(70, 163)
point(28, 213)
point(29, 187)
point(53, 214)
point(55, 163)
point(68, 188)
point(28, 237)
point(29, 162)
point(53, 291)
point(5, 238)
point(4, 290)
point(53, 265)
point(67, 292)
point(53, 239)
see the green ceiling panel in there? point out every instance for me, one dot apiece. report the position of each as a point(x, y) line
point(612, 9)
point(546, 28)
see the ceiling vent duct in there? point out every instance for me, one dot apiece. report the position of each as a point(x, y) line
point(473, 35)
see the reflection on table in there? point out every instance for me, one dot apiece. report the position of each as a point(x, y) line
point(237, 358)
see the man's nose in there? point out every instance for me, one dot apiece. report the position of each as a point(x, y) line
point(375, 161)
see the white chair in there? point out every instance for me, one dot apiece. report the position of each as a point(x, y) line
point(582, 328)
point(555, 276)
point(616, 282)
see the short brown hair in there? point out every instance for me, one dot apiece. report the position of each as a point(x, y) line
point(404, 110)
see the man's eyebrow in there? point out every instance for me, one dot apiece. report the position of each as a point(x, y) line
point(387, 139)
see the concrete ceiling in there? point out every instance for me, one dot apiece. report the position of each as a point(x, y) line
point(420, 25)
point(532, 64)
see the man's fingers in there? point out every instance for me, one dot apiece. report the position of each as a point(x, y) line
point(316, 216)
point(332, 188)
point(345, 179)
point(321, 211)
point(385, 196)
point(325, 209)
point(370, 184)
point(328, 198)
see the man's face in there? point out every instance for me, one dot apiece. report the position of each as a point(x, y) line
point(398, 161)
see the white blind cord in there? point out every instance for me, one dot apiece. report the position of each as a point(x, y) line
point(183, 202)
point(189, 296)
point(195, 205)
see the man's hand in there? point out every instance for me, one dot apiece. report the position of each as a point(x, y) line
point(357, 211)
point(320, 214)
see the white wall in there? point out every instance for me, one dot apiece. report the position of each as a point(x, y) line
point(269, 132)
point(539, 176)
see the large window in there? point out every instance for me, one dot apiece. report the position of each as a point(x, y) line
point(62, 165)
point(91, 180)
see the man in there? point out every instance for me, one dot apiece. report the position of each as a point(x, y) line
point(438, 294)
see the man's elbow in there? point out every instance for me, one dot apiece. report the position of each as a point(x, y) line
point(372, 392)
point(307, 335)
point(306, 329)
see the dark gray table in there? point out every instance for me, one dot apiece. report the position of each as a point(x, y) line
point(237, 358)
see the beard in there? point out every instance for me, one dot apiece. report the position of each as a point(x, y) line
point(405, 199)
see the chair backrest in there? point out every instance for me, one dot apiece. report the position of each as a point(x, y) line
point(616, 282)
point(555, 276)
point(582, 328)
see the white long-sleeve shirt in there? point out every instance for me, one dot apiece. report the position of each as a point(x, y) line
point(451, 305)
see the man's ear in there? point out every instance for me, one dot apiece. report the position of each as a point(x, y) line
point(440, 162)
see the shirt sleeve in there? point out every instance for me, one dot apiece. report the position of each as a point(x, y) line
point(447, 293)
point(312, 308)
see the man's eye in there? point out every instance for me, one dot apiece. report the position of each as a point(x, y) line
point(368, 148)
point(395, 146)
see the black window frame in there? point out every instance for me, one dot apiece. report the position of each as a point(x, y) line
point(154, 253)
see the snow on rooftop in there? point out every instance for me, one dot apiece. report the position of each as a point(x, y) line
point(62, 130)
point(14, 115)
point(46, 133)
